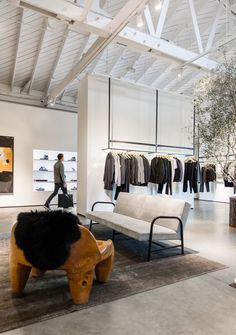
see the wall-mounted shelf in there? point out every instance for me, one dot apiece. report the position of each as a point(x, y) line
point(51, 171)
point(53, 160)
point(47, 183)
point(42, 189)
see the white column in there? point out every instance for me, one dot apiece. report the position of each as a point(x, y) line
point(92, 138)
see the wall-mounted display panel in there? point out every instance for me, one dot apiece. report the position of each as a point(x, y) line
point(43, 163)
point(175, 124)
point(133, 115)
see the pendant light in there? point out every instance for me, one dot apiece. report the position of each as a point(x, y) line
point(140, 22)
point(158, 5)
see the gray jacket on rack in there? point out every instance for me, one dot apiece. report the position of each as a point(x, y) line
point(59, 173)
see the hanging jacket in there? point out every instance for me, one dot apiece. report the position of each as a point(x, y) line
point(157, 175)
point(228, 170)
point(109, 172)
point(207, 175)
point(178, 171)
point(146, 170)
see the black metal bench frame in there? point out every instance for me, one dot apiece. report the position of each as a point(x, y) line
point(150, 241)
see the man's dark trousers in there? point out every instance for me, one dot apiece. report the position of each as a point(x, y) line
point(57, 187)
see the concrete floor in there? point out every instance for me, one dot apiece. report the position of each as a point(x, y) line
point(202, 305)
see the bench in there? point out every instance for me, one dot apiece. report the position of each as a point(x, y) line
point(144, 218)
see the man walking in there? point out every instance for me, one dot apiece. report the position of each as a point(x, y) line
point(59, 180)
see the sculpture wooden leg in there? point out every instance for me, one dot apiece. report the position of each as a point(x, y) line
point(36, 273)
point(103, 269)
point(80, 286)
point(19, 276)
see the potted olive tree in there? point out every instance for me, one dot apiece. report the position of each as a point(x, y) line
point(215, 106)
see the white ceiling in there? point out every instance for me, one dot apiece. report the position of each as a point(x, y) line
point(37, 52)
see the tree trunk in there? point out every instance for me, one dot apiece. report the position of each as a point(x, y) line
point(232, 212)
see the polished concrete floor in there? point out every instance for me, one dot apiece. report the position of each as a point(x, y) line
point(202, 305)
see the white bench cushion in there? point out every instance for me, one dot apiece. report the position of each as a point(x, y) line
point(147, 207)
point(135, 228)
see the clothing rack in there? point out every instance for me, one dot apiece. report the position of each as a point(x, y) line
point(147, 152)
point(128, 150)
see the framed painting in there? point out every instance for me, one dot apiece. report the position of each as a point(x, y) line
point(6, 164)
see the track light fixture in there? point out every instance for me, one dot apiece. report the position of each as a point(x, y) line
point(180, 74)
point(52, 103)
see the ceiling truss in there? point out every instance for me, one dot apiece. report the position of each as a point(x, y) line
point(153, 55)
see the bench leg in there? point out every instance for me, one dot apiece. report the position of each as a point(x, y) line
point(80, 286)
point(113, 235)
point(182, 239)
point(91, 225)
point(182, 246)
point(149, 250)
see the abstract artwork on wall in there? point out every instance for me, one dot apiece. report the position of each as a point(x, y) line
point(6, 164)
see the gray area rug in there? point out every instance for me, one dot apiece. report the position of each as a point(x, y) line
point(48, 297)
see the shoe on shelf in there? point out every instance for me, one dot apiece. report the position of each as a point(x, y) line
point(40, 189)
point(73, 169)
point(42, 168)
point(45, 158)
point(72, 159)
point(73, 188)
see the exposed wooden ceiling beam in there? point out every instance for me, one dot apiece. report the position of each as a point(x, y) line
point(195, 25)
point(214, 27)
point(86, 9)
point(77, 58)
point(45, 24)
point(115, 26)
point(149, 21)
point(130, 37)
point(59, 53)
point(17, 47)
point(162, 18)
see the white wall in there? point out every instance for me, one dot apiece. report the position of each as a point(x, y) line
point(133, 119)
point(34, 128)
point(220, 193)
point(175, 121)
point(133, 110)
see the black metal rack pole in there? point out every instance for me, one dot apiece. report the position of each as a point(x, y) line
point(156, 128)
point(174, 147)
point(194, 129)
point(109, 112)
point(130, 142)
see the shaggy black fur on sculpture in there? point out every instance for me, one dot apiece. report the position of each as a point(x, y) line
point(46, 237)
